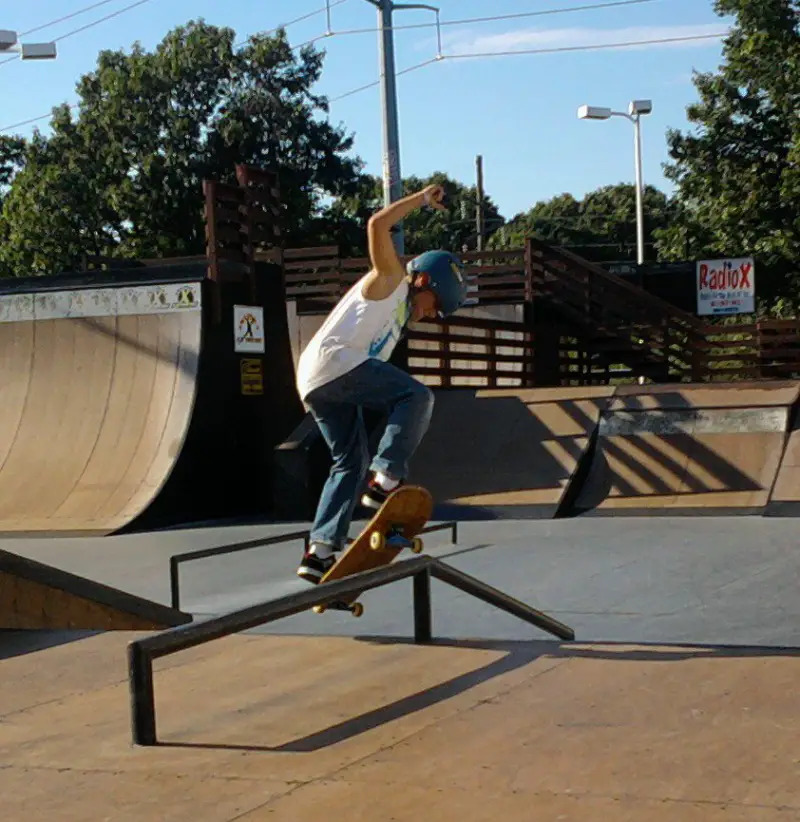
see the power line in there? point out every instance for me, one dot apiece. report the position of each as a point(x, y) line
point(398, 74)
point(590, 47)
point(552, 50)
point(67, 17)
point(300, 19)
point(468, 20)
point(73, 106)
point(87, 26)
point(476, 55)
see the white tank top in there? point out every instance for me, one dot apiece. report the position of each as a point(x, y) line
point(356, 330)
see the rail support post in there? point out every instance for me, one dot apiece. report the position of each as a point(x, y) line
point(422, 606)
point(143, 708)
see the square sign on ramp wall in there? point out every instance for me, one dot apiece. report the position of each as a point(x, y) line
point(248, 329)
point(726, 286)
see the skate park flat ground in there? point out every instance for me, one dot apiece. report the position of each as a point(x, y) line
point(676, 701)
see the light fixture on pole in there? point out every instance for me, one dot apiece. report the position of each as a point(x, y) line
point(27, 51)
point(392, 180)
point(636, 108)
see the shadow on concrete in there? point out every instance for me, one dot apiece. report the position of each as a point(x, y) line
point(649, 452)
point(517, 654)
point(18, 643)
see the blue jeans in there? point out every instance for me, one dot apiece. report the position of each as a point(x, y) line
point(337, 409)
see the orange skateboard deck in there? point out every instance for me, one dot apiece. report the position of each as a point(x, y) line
point(394, 527)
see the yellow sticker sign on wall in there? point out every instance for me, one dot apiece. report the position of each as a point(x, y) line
point(252, 374)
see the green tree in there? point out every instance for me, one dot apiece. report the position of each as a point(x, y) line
point(454, 229)
point(736, 174)
point(123, 177)
point(600, 227)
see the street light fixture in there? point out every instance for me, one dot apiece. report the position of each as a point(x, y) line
point(636, 109)
point(27, 51)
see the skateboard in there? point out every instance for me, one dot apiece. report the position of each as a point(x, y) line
point(394, 527)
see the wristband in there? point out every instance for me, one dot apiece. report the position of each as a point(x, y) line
point(426, 198)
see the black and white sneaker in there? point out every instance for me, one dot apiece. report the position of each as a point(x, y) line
point(313, 568)
point(374, 496)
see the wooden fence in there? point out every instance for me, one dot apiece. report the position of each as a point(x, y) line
point(768, 349)
point(471, 352)
point(316, 278)
point(601, 329)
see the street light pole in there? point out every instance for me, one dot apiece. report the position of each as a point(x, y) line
point(392, 179)
point(636, 109)
point(637, 138)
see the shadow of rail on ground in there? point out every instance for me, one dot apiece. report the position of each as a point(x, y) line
point(516, 655)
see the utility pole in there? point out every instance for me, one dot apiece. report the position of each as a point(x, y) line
point(479, 220)
point(392, 179)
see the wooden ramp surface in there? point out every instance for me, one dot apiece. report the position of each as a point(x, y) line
point(37, 596)
point(700, 449)
point(300, 728)
point(493, 453)
point(785, 497)
point(95, 407)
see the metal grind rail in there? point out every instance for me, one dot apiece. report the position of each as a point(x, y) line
point(142, 652)
point(177, 560)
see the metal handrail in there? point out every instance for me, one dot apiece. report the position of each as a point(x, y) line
point(142, 652)
point(176, 560)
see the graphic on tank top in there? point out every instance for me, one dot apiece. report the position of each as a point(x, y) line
point(385, 342)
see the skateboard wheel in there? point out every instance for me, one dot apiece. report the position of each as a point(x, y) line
point(416, 545)
point(377, 541)
point(357, 609)
point(319, 609)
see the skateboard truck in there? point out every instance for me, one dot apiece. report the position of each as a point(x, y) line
point(395, 540)
point(378, 541)
point(393, 528)
point(356, 609)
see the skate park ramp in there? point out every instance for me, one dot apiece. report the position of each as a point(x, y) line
point(99, 390)
point(37, 596)
point(125, 403)
point(785, 498)
point(699, 449)
point(505, 453)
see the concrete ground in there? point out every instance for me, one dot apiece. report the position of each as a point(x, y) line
point(677, 700)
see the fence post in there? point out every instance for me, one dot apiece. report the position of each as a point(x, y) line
point(491, 357)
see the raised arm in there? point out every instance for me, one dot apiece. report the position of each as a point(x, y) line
point(387, 269)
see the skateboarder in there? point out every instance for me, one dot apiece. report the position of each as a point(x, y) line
point(345, 368)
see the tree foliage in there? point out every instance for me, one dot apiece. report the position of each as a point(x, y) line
point(454, 229)
point(738, 174)
point(123, 177)
point(601, 226)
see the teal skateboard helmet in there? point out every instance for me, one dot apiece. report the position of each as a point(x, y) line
point(443, 273)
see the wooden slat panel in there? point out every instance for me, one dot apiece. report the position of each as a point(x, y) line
point(464, 339)
point(488, 357)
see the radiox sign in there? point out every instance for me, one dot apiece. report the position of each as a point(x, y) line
point(726, 286)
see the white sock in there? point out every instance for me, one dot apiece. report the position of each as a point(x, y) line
point(387, 483)
point(321, 550)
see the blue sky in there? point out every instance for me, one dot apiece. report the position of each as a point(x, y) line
point(519, 112)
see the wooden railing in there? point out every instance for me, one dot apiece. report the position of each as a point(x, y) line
point(624, 320)
point(317, 277)
point(606, 329)
point(768, 349)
